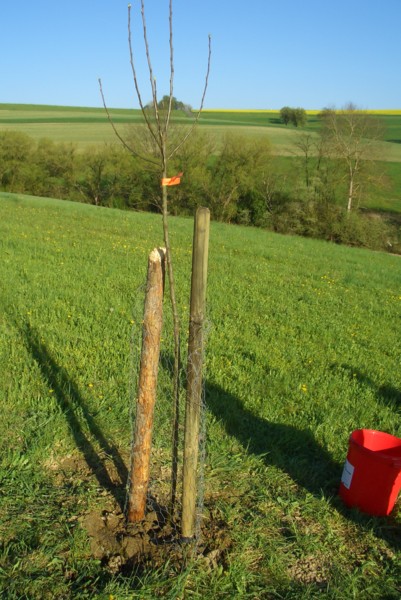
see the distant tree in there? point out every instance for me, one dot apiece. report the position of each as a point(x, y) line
point(193, 158)
point(164, 103)
point(351, 136)
point(305, 143)
point(285, 114)
point(325, 112)
point(295, 116)
point(237, 177)
point(298, 117)
point(97, 178)
point(56, 162)
point(16, 151)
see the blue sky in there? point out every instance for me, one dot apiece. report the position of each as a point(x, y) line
point(264, 54)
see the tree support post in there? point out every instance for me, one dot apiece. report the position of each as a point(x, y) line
point(147, 385)
point(194, 372)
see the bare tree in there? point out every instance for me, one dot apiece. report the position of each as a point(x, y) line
point(158, 124)
point(306, 144)
point(351, 136)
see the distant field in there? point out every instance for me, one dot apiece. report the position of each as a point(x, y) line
point(88, 126)
point(83, 126)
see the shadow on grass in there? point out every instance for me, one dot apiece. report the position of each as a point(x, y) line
point(387, 395)
point(296, 452)
point(292, 450)
point(71, 403)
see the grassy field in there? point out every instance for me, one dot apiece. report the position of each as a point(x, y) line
point(84, 126)
point(303, 347)
point(381, 199)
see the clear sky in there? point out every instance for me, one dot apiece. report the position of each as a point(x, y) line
point(264, 54)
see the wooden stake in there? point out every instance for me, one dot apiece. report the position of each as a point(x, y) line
point(151, 334)
point(194, 371)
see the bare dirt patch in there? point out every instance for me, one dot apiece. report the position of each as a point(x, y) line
point(310, 570)
point(124, 547)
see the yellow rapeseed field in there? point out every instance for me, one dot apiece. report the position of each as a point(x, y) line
point(308, 111)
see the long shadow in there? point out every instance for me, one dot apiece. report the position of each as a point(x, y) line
point(71, 402)
point(389, 395)
point(386, 394)
point(292, 450)
point(296, 452)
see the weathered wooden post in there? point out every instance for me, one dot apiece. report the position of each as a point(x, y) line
point(194, 371)
point(147, 385)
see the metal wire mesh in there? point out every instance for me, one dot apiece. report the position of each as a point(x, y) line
point(165, 459)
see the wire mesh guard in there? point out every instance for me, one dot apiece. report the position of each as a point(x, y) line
point(164, 494)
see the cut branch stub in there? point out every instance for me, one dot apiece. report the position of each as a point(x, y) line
point(147, 386)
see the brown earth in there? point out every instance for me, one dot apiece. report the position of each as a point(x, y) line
point(123, 547)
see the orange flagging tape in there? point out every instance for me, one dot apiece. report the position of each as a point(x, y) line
point(176, 180)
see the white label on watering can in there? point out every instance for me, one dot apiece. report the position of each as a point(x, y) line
point(348, 472)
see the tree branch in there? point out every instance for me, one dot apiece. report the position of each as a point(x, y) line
point(152, 78)
point(201, 104)
point(132, 62)
point(170, 103)
point(122, 140)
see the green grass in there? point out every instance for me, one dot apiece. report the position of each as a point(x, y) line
point(303, 347)
point(388, 198)
point(382, 199)
point(83, 126)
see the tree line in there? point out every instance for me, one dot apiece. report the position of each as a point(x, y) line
point(229, 180)
point(239, 179)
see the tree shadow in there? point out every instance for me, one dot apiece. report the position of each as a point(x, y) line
point(296, 452)
point(292, 450)
point(71, 403)
point(389, 395)
point(386, 394)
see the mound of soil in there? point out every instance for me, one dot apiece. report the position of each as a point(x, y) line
point(123, 547)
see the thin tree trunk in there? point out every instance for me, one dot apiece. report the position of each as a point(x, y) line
point(159, 134)
point(151, 335)
point(350, 192)
point(177, 347)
